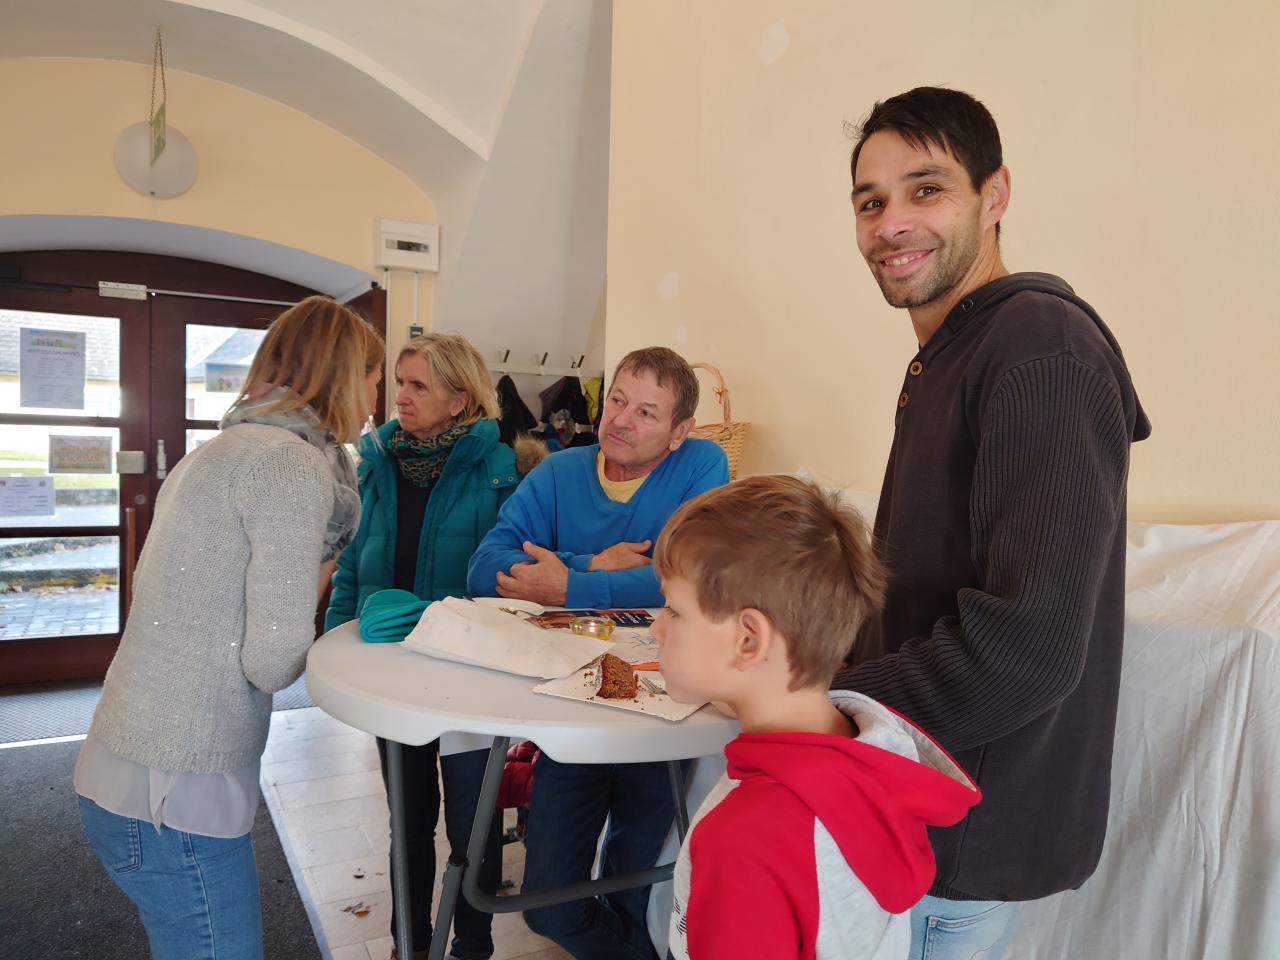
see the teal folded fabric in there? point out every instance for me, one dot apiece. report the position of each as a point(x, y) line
point(388, 615)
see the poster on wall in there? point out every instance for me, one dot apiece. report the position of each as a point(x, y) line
point(225, 377)
point(80, 454)
point(51, 369)
point(26, 497)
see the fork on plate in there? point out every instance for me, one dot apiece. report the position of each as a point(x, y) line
point(654, 688)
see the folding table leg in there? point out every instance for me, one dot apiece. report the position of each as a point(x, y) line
point(480, 826)
point(399, 851)
point(544, 898)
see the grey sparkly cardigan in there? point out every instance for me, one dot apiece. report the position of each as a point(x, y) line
point(224, 603)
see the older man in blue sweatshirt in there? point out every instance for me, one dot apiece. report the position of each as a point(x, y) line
point(579, 532)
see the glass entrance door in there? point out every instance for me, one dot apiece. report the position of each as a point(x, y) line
point(74, 385)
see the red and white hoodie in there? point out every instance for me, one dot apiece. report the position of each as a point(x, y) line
point(814, 846)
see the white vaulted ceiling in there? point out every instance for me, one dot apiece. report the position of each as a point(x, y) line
point(421, 83)
point(498, 110)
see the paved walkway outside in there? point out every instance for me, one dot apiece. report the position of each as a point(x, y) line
point(59, 613)
point(103, 556)
point(79, 515)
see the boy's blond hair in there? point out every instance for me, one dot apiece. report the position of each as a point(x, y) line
point(785, 547)
point(321, 352)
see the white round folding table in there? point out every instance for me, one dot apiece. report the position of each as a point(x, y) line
point(409, 698)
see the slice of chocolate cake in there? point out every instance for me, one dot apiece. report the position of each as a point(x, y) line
point(617, 679)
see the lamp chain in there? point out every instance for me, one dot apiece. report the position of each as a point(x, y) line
point(157, 69)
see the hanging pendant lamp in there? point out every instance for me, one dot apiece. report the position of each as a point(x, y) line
point(154, 157)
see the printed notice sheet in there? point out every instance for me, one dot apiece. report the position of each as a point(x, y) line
point(79, 454)
point(26, 496)
point(51, 369)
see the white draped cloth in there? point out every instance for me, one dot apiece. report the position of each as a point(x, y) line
point(1191, 867)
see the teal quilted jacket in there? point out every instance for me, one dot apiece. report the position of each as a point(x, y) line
point(478, 477)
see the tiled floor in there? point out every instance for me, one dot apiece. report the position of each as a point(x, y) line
point(320, 779)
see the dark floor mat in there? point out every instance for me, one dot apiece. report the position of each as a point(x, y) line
point(293, 697)
point(39, 711)
point(57, 902)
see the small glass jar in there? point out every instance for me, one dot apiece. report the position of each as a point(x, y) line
point(599, 627)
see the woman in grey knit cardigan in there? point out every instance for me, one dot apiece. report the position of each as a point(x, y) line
point(246, 529)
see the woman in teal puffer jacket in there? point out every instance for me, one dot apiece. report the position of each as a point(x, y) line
point(431, 484)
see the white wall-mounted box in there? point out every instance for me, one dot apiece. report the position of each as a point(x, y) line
point(405, 245)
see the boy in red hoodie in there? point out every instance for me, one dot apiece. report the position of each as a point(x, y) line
point(814, 844)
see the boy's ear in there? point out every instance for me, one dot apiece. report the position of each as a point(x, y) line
point(756, 639)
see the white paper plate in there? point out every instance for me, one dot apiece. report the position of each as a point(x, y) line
point(581, 685)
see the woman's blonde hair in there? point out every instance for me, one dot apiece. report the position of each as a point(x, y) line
point(456, 364)
point(320, 353)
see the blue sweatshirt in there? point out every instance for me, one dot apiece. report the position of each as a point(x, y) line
point(562, 507)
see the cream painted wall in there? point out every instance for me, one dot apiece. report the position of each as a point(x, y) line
point(1140, 138)
point(265, 170)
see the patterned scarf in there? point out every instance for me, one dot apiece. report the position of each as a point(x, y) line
point(303, 423)
point(422, 461)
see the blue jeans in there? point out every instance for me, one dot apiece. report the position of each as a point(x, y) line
point(961, 929)
point(462, 774)
point(570, 805)
point(197, 896)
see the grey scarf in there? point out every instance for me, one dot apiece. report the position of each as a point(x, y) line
point(303, 423)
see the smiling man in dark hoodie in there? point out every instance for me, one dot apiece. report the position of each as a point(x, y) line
point(1001, 522)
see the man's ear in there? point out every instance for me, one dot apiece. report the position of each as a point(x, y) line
point(681, 434)
point(756, 640)
point(995, 197)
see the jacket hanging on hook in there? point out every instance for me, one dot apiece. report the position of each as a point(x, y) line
point(564, 410)
point(516, 418)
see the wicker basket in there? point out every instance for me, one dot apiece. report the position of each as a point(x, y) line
point(730, 434)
